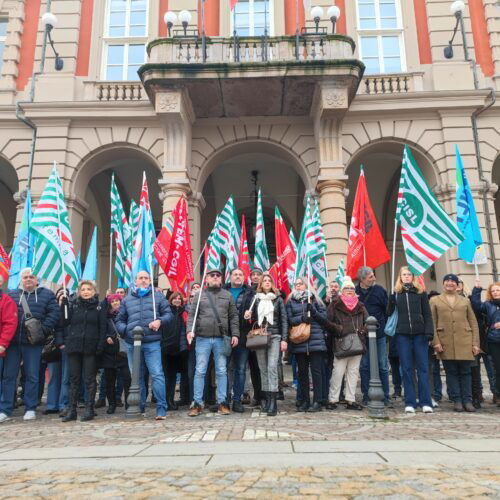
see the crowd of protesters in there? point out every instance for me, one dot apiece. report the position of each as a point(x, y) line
point(225, 345)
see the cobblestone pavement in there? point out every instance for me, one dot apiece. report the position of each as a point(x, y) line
point(289, 425)
point(307, 482)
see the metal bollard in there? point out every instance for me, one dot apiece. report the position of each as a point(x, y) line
point(376, 407)
point(134, 396)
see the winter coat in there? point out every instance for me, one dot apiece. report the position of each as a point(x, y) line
point(43, 306)
point(86, 327)
point(109, 356)
point(491, 313)
point(342, 321)
point(8, 320)
point(206, 323)
point(280, 319)
point(414, 313)
point(375, 301)
point(297, 313)
point(173, 340)
point(138, 311)
point(455, 328)
point(243, 304)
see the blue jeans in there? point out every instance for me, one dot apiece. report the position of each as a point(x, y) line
point(31, 356)
point(414, 348)
point(383, 368)
point(204, 347)
point(151, 358)
point(459, 380)
point(58, 388)
point(240, 356)
point(438, 383)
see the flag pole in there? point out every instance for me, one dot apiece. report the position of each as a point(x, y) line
point(394, 254)
point(110, 258)
point(152, 287)
point(199, 258)
point(65, 307)
point(476, 269)
point(199, 298)
point(308, 286)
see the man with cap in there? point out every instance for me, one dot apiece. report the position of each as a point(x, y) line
point(211, 302)
point(456, 341)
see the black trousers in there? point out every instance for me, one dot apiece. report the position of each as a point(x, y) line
point(396, 375)
point(172, 365)
point(255, 374)
point(82, 363)
point(494, 351)
point(315, 361)
point(111, 375)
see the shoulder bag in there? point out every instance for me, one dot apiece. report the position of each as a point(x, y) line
point(300, 333)
point(123, 347)
point(258, 337)
point(34, 330)
point(349, 345)
point(226, 339)
point(50, 352)
point(392, 321)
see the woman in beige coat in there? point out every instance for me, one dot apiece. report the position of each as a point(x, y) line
point(456, 341)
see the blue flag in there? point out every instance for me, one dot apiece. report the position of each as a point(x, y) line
point(78, 265)
point(90, 271)
point(22, 251)
point(143, 249)
point(466, 215)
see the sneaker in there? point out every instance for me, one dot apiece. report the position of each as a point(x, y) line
point(4, 417)
point(195, 410)
point(50, 412)
point(409, 409)
point(238, 407)
point(434, 403)
point(160, 417)
point(223, 409)
point(427, 409)
point(29, 415)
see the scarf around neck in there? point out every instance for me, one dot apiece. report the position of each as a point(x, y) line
point(300, 295)
point(349, 301)
point(265, 309)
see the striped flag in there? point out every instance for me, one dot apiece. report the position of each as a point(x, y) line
point(340, 272)
point(54, 253)
point(317, 253)
point(293, 239)
point(261, 257)
point(213, 244)
point(244, 255)
point(427, 230)
point(133, 219)
point(466, 216)
point(144, 202)
point(301, 266)
point(229, 235)
point(4, 264)
point(90, 271)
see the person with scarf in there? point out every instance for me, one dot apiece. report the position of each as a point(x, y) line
point(346, 316)
point(414, 330)
point(174, 352)
point(302, 307)
point(84, 334)
point(112, 359)
point(269, 312)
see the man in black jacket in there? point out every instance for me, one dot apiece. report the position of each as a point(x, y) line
point(43, 306)
point(243, 296)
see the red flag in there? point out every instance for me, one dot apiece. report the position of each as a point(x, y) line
point(365, 241)
point(233, 4)
point(285, 254)
point(273, 271)
point(179, 266)
point(4, 264)
point(244, 255)
point(161, 246)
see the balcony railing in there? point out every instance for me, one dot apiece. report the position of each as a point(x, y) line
point(188, 50)
point(114, 91)
point(398, 83)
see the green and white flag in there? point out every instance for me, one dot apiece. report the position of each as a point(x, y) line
point(214, 247)
point(301, 267)
point(261, 257)
point(427, 230)
point(293, 239)
point(316, 252)
point(339, 277)
point(229, 235)
point(133, 220)
point(54, 253)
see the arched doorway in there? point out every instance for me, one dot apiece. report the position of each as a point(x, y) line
point(240, 172)
point(93, 185)
point(495, 177)
point(8, 186)
point(382, 165)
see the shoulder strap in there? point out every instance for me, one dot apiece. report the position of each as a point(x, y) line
point(26, 307)
point(214, 309)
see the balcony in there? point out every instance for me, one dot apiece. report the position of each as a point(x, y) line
point(398, 83)
point(251, 76)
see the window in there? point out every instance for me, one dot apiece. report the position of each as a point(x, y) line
point(125, 36)
point(251, 16)
point(3, 36)
point(380, 32)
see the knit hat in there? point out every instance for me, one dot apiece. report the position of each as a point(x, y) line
point(113, 296)
point(347, 283)
point(451, 277)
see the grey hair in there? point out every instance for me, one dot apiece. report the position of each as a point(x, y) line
point(363, 272)
point(311, 287)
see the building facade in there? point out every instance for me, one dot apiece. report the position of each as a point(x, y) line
point(293, 119)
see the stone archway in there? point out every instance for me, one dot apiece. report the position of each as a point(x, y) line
point(90, 196)
point(9, 185)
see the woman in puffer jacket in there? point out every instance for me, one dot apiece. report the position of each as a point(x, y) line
point(302, 307)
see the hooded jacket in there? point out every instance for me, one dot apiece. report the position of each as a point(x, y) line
point(43, 306)
point(8, 320)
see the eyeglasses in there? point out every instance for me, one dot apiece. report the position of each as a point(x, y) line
point(214, 275)
point(348, 288)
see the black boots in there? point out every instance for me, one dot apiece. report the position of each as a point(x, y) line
point(89, 413)
point(111, 408)
point(70, 415)
point(272, 409)
point(264, 400)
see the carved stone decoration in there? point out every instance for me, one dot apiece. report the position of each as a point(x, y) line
point(335, 98)
point(168, 103)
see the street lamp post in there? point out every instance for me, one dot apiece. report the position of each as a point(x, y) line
point(317, 14)
point(185, 19)
point(376, 407)
point(134, 396)
point(333, 13)
point(170, 19)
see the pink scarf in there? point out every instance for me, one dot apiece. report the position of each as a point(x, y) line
point(350, 301)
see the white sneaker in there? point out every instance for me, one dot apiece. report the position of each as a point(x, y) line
point(29, 415)
point(435, 404)
point(409, 409)
point(427, 409)
point(4, 417)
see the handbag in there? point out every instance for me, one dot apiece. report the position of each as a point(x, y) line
point(258, 337)
point(392, 322)
point(123, 346)
point(34, 330)
point(300, 333)
point(349, 345)
point(50, 352)
point(227, 348)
